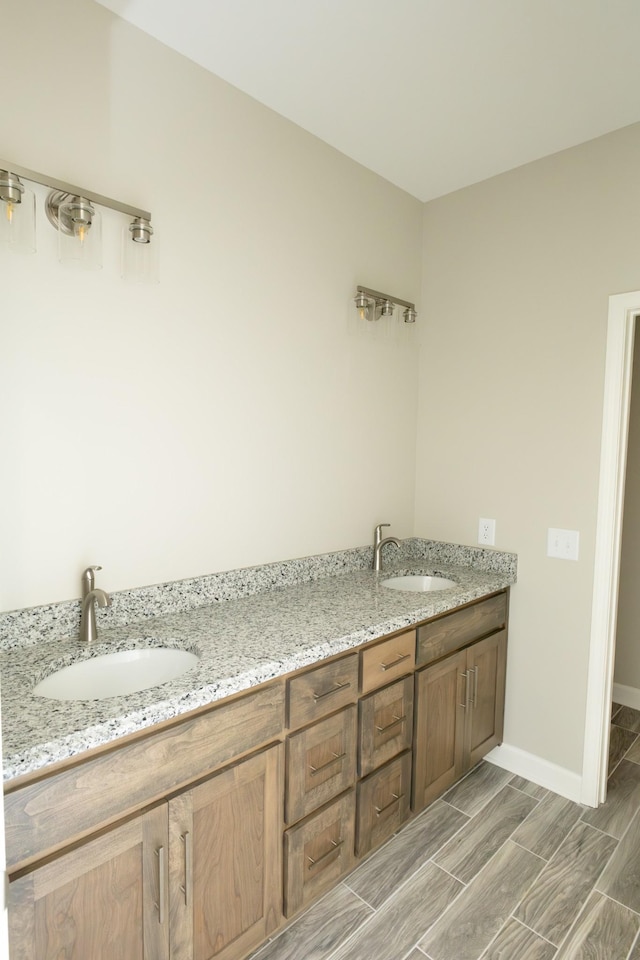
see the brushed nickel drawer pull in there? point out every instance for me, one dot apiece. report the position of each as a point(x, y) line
point(186, 839)
point(394, 723)
point(394, 663)
point(396, 797)
point(323, 766)
point(465, 676)
point(327, 693)
point(335, 845)
point(163, 881)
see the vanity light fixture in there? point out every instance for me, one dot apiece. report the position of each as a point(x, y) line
point(72, 211)
point(372, 305)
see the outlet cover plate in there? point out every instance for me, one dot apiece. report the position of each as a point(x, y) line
point(486, 532)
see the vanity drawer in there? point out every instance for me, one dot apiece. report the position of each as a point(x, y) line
point(454, 630)
point(322, 690)
point(321, 763)
point(383, 803)
point(386, 725)
point(388, 660)
point(317, 852)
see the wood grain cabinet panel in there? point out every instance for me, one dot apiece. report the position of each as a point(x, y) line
point(226, 861)
point(384, 662)
point(322, 690)
point(386, 725)
point(321, 763)
point(383, 803)
point(106, 899)
point(459, 715)
point(318, 852)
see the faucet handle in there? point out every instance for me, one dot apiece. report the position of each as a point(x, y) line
point(88, 579)
point(378, 533)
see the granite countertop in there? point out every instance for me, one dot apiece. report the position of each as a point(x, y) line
point(241, 642)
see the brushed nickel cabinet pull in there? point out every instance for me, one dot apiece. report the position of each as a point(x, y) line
point(396, 797)
point(335, 845)
point(398, 659)
point(465, 676)
point(334, 689)
point(186, 839)
point(473, 698)
point(394, 723)
point(323, 766)
point(163, 882)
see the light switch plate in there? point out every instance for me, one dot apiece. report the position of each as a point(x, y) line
point(563, 544)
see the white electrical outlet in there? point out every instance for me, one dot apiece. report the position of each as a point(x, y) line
point(563, 544)
point(486, 532)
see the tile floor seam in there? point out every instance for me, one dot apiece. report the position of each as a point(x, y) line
point(633, 946)
point(345, 883)
point(619, 902)
point(599, 829)
point(488, 800)
point(535, 932)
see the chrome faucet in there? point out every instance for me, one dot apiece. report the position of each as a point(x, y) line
point(90, 596)
point(379, 543)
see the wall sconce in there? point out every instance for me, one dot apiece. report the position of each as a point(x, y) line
point(72, 211)
point(17, 214)
point(372, 305)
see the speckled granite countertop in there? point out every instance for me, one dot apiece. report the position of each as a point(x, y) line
point(333, 604)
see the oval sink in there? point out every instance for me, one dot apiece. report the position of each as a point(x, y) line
point(116, 674)
point(418, 583)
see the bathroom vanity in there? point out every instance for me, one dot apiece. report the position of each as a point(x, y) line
point(199, 835)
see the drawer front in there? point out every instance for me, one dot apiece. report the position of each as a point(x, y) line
point(40, 816)
point(454, 630)
point(383, 803)
point(320, 691)
point(318, 852)
point(386, 725)
point(321, 763)
point(388, 660)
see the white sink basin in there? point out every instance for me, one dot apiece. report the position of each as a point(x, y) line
point(116, 674)
point(418, 583)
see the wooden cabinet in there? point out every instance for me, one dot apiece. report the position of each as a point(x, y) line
point(196, 878)
point(459, 713)
point(226, 861)
point(193, 841)
point(108, 898)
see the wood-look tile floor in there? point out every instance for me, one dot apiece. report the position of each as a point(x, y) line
point(496, 869)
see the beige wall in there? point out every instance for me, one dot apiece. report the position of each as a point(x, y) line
point(225, 417)
point(517, 274)
point(627, 669)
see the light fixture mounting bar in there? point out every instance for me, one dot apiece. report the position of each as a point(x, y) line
point(73, 190)
point(377, 295)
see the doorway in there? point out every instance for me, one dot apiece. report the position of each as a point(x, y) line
point(623, 311)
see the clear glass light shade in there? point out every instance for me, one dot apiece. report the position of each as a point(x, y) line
point(139, 253)
point(79, 234)
point(18, 222)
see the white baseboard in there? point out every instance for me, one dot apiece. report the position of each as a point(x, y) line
point(542, 772)
point(627, 696)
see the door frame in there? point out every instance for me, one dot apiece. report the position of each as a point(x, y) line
point(623, 310)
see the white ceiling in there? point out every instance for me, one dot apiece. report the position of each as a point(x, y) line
point(433, 95)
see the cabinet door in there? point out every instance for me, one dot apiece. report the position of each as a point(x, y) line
point(226, 861)
point(440, 712)
point(106, 899)
point(486, 662)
